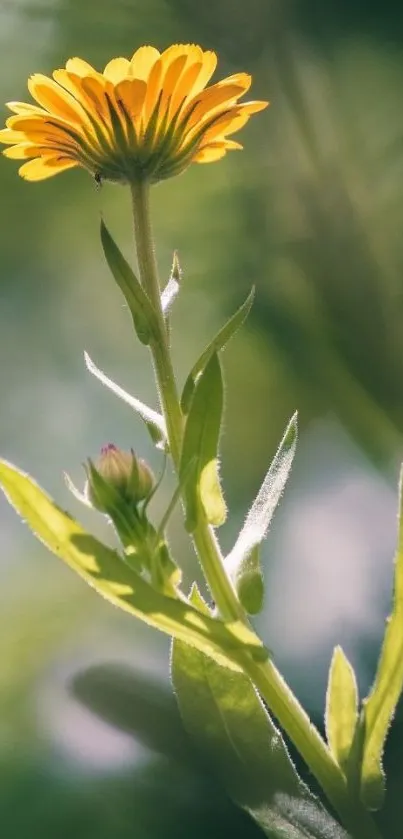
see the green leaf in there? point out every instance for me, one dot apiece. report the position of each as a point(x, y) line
point(230, 725)
point(200, 443)
point(172, 287)
point(249, 582)
point(243, 561)
point(154, 421)
point(218, 343)
point(341, 709)
point(380, 705)
point(142, 312)
point(137, 704)
point(104, 570)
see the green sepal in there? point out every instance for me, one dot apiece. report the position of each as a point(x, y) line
point(242, 562)
point(153, 421)
point(132, 530)
point(141, 310)
point(166, 575)
point(218, 343)
point(242, 747)
point(341, 710)
point(380, 705)
point(102, 569)
point(200, 443)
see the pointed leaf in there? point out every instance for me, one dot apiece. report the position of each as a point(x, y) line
point(200, 443)
point(104, 570)
point(172, 287)
point(380, 705)
point(142, 312)
point(341, 708)
point(242, 562)
point(218, 343)
point(223, 713)
point(154, 421)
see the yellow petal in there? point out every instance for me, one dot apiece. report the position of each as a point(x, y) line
point(209, 101)
point(55, 99)
point(173, 72)
point(132, 93)
point(80, 67)
point(142, 61)
point(41, 168)
point(117, 70)
point(95, 90)
point(209, 62)
point(210, 153)
point(153, 90)
point(244, 80)
point(184, 87)
point(24, 108)
point(22, 151)
point(73, 84)
point(7, 135)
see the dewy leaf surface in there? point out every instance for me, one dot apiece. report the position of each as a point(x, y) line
point(223, 713)
point(154, 421)
point(242, 562)
point(105, 571)
point(341, 708)
point(200, 443)
point(218, 343)
point(380, 705)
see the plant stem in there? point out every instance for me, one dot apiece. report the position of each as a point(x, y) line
point(276, 693)
point(312, 748)
point(204, 538)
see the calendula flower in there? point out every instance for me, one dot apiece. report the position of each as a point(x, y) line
point(147, 118)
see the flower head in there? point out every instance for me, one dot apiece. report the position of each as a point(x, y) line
point(122, 474)
point(144, 118)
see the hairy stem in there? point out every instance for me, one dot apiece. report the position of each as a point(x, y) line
point(276, 693)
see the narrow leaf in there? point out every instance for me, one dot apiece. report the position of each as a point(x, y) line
point(223, 713)
point(218, 343)
point(104, 570)
point(154, 421)
point(142, 312)
point(242, 563)
point(379, 707)
point(171, 289)
point(341, 709)
point(200, 443)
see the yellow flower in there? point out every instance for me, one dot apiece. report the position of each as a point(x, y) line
point(147, 118)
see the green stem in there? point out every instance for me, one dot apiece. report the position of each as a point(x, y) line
point(280, 699)
point(204, 538)
point(312, 748)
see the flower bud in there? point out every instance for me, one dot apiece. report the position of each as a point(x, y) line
point(118, 475)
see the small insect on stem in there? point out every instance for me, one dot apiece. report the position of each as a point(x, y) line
point(98, 179)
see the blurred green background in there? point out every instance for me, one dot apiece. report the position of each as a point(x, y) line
point(311, 212)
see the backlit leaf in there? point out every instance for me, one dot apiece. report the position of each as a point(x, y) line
point(154, 421)
point(341, 708)
point(243, 561)
point(142, 312)
point(380, 705)
point(104, 570)
point(218, 343)
point(230, 725)
point(200, 443)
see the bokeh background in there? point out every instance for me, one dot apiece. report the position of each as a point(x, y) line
point(311, 212)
